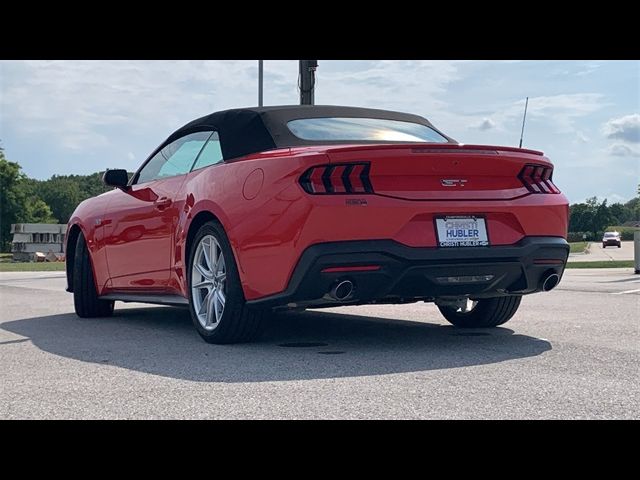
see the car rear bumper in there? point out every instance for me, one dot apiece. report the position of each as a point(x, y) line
point(396, 273)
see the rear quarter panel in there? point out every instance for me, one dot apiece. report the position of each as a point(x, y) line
point(262, 229)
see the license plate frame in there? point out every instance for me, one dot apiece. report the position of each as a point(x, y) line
point(464, 231)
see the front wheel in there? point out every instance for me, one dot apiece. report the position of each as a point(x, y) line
point(604, 245)
point(216, 300)
point(619, 245)
point(483, 313)
point(85, 295)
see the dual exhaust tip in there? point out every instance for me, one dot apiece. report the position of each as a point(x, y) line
point(342, 290)
point(549, 281)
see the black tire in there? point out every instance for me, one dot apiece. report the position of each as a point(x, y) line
point(239, 323)
point(620, 245)
point(85, 297)
point(604, 245)
point(489, 312)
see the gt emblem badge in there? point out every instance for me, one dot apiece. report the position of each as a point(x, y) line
point(453, 182)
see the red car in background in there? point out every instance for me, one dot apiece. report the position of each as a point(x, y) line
point(249, 210)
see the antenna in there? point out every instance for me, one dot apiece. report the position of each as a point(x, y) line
point(523, 120)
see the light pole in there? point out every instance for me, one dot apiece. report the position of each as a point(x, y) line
point(307, 81)
point(260, 82)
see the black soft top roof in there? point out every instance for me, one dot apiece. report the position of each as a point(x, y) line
point(243, 131)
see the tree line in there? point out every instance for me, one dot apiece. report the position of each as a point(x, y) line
point(590, 219)
point(27, 200)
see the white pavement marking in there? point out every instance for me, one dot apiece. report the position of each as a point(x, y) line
point(626, 291)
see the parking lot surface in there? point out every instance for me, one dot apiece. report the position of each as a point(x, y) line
point(596, 253)
point(570, 353)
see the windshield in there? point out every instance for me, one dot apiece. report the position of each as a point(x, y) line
point(610, 234)
point(363, 129)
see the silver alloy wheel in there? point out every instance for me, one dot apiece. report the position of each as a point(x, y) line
point(209, 282)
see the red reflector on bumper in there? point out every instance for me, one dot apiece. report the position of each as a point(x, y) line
point(548, 261)
point(364, 268)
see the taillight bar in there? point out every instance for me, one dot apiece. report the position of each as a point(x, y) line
point(537, 179)
point(339, 179)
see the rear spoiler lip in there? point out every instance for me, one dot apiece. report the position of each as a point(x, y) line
point(425, 147)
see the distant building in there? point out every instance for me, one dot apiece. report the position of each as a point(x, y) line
point(29, 238)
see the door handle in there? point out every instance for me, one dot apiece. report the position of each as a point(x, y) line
point(162, 203)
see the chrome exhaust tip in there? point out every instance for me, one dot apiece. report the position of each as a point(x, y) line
point(550, 282)
point(342, 290)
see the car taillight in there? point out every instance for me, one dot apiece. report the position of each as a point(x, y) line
point(340, 179)
point(537, 179)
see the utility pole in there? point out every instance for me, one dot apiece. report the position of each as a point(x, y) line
point(523, 119)
point(260, 82)
point(307, 81)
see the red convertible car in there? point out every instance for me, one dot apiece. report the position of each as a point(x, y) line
point(249, 210)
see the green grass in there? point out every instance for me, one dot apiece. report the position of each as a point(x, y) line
point(602, 264)
point(577, 247)
point(32, 267)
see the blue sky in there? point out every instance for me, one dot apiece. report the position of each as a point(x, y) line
point(83, 116)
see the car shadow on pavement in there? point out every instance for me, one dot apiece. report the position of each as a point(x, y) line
point(295, 346)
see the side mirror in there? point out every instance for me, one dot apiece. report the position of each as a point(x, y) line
point(118, 177)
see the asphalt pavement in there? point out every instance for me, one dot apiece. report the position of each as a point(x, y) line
point(570, 353)
point(596, 253)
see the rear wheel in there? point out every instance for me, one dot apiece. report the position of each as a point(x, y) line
point(619, 245)
point(483, 313)
point(85, 296)
point(216, 300)
point(604, 245)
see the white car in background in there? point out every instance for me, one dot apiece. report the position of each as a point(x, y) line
point(611, 238)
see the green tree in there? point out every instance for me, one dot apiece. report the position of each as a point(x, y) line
point(17, 202)
point(601, 217)
point(36, 211)
point(633, 209)
point(593, 216)
point(62, 194)
point(12, 199)
point(580, 215)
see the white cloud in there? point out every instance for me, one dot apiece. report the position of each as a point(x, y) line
point(625, 128)
point(412, 86)
point(485, 124)
point(77, 102)
point(615, 198)
point(559, 110)
point(581, 137)
point(588, 68)
point(622, 150)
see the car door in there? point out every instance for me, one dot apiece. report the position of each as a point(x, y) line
point(140, 223)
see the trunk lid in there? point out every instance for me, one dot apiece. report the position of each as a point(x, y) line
point(442, 171)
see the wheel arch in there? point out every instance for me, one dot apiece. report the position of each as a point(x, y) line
point(198, 220)
point(203, 216)
point(70, 252)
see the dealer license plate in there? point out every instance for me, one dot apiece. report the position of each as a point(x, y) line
point(462, 231)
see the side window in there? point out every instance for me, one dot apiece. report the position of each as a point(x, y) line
point(211, 153)
point(175, 158)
